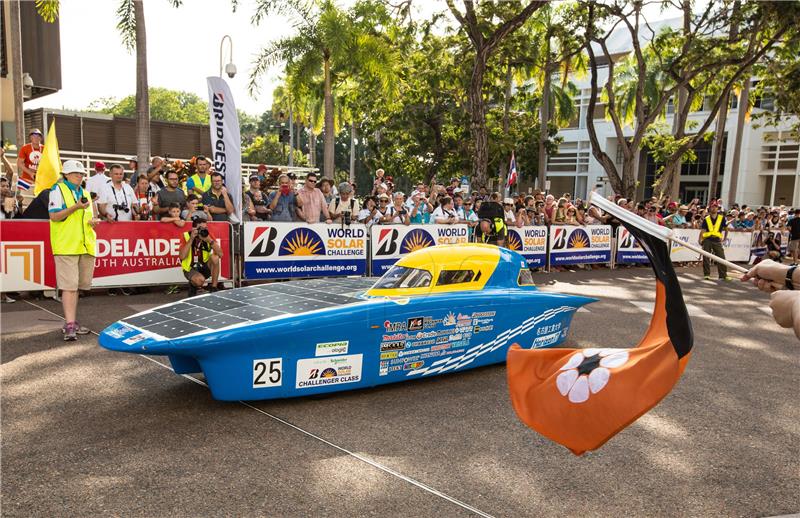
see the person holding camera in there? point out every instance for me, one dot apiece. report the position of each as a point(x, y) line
point(200, 256)
point(345, 207)
point(116, 201)
point(397, 213)
point(283, 202)
point(72, 238)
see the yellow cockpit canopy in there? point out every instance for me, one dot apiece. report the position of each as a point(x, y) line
point(440, 269)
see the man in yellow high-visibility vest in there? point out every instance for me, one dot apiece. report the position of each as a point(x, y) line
point(72, 237)
point(711, 237)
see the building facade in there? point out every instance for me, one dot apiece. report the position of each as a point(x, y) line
point(769, 169)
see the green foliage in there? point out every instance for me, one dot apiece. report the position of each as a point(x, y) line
point(265, 149)
point(165, 105)
point(48, 9)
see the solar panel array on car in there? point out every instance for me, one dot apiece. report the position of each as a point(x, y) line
point(250, 304)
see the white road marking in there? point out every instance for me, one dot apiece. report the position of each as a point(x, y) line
point(583, 310)
point(362, 458)
point(647, 307)
point(766, 309)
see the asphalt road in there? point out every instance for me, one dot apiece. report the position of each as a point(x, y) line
point(89, 432)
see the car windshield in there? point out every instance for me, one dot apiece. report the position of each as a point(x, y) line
point(402, 277)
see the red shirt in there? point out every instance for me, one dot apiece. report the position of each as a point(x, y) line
point(31, 157)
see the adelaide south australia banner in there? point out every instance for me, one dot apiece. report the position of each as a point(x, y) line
point(531, 243)
point(391, 242)
point(128, 254)
point(284, 250)
point(580, 245)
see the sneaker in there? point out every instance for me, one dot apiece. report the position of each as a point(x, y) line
point(125, 291)
point(726, 278)
point(113, 292)
point(707, 277)
point(79, 329)
point(70, 330)
point(8, 300)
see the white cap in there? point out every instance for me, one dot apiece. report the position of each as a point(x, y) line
point(73, 166)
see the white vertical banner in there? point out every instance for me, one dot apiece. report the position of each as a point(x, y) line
point(226, 143)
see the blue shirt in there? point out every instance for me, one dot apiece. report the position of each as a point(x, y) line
point(286, 209)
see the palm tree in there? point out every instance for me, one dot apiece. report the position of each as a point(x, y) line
point(330, 42)
point(131, 25)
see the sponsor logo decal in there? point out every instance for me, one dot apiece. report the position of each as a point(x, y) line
point(332, 348)
point(331, 370)
point(415, 324)
point(393, 346)
point(546, 340)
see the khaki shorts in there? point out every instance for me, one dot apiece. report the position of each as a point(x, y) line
point(794, 245)
point(74, 272)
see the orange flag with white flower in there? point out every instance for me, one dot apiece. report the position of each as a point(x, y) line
point(580, 398)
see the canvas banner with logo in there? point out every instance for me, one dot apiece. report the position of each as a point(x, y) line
point(391, 242)
point(286, 250)
point(737, 246)
point(129, 253)
point(226, 142)
point(531, 243)
point(580, 245)
point(629, 251)
point(679, 253)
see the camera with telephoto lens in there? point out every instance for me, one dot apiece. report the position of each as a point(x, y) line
point(196, 222)
point(124, 208)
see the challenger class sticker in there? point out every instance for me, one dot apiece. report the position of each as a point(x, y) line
point(330, 370)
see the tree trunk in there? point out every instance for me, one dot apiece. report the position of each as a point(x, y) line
point(312, 148)
point(327, 161)
point(477, 126)
point(16, 70)
point(716, 150)
point(674, 170)
point(744, 101)
point(352, 151)
point(291, 138)
point(629, 177)
point(142, 93)
point(544, 118)
point(506, 109)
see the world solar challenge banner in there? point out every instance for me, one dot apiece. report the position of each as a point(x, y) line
point(629, 250)
point(391, 242)
point(284, 250)
point(531, 243)
point(580, 245)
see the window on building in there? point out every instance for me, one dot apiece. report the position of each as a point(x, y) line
point(779, 152)
point(572, 157)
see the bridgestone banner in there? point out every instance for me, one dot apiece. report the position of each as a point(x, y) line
point(225, 139)
point(629, 251)
point(531, 243)
point(286, 250)
point(129, 253)
point(391, 242)
point(580, 245)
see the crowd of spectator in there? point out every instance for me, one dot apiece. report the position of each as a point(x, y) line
point(176, 192)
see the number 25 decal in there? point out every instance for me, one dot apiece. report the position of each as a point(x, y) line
point(267, 372)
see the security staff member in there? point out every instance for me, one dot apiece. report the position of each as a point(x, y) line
point(200, 182)
point(72, 238)
point(711, 239)
point(200, 256)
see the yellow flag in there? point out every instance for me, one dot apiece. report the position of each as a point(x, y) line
point(50, 163)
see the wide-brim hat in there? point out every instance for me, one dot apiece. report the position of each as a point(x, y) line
point(73, 166)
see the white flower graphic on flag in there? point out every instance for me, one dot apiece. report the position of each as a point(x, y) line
point(587, 372)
